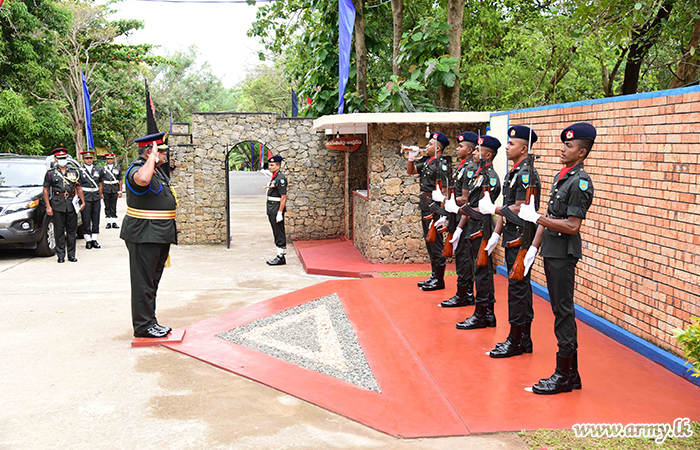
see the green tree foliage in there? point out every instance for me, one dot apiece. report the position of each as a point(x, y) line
point(264, 89)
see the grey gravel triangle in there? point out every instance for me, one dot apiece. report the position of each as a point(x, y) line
point(316, 335)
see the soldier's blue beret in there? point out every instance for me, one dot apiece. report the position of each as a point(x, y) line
point(522, 132)
point(275, 159)
point(468, 136)
point(441, 138)
point(581, 130)
point(145, 141)
point(490, 142)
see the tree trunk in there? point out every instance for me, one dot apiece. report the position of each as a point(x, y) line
point(688, 67)
point(643, 39)
point(455, 17)
point(397, 13)
point(361, 51)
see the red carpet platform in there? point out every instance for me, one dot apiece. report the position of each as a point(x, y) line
point(339, 257)
point(436, 380)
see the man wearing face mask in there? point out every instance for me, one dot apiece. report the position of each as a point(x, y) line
point(148, 230)
point(62, 184)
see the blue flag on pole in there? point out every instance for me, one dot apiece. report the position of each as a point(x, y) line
point(252, 156)
point(346, 24)
point(295, 105)
point(88, 113)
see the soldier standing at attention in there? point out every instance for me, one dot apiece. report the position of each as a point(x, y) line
point(558, 232)
point(515, 184)
point(89, 182)
point(111, 187)
point(276, 207)
point(62, 185)
point(148, 230)
point(464, 259)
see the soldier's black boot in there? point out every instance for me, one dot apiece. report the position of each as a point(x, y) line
point(476, 321)
point(108, 226)
point(462, 298)
point(114, 225)
point(95, 244)
point(278, 261)
point(575, 378)
point(511, 347)
point(490, 316)
point(438, 283)
point(429, 280)
point(559, 382)
point(88, 245)
point(526, 339)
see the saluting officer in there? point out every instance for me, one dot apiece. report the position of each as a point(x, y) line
point(463, 257)
point(520, 312)
point(62, 184)
point(148, 229)
point(89, 182)
point(483, 313)
point(111, 187)
point(558, 232)
point(276, 207)
point(430, 171)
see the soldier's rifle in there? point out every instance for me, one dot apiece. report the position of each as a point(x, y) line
point(447, 249)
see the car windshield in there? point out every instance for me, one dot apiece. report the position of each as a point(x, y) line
point(22, 173)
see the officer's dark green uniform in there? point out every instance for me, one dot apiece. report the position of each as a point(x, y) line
point(90, 182)
point(277, 188)
point(110, 177)
point(571, 196)
point(62, 188)
point(148, 230)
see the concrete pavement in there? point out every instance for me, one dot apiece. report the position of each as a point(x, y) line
point(70, 378)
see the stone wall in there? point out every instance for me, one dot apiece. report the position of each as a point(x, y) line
point(316, 175)
point(394, 234)
point(361, 229)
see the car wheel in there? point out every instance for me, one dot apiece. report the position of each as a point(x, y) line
point(47, 244)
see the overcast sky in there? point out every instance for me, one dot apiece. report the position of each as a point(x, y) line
point(218, 31)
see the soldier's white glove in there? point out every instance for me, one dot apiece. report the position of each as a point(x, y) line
point(437, 196)
point(455, 238)
point(279, 217)
point(529, 258)
point(413, 152)
point(441, 222)
point(528, 213)
point(493, 242)
point(451, 205)
point(486, 206)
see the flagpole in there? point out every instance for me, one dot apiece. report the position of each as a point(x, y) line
point(87, 138)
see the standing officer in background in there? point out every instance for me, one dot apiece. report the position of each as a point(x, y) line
point(111, 188)
point(520, 312)
point(89, 182)
point(558, 232)
point(62, 184)
point(276, 207)
point(430, 171)
point(464, 259)
point(148, 230)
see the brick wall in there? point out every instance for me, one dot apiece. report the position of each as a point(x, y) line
point(641, 254)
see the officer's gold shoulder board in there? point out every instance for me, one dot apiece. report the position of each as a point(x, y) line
point(583, 185)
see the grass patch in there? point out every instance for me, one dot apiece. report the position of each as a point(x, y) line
point(415, 273)
point(567, 440)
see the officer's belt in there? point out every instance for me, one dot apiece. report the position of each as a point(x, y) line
point(150, 214)
point(90, 189)
point(274, 199)
point(110, 182)
point(63, 194)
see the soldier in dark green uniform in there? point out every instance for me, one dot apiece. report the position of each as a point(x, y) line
point(520, 312)
point(483, 314)
point(148, 230)
point(89, 182)
point(463, 257)
point(62, 184)
point(430, 170)
point(111, 187)
point(558, 232)
point(276, 207)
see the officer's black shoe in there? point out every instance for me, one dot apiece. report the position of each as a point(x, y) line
point(575, 378)
point(161, 327)
point(439, 281)
point(152, 332)
point(526, 339)
point(61, 260)
point(490, 316)
point(88, 245)
point(511, 347)
point(429, 280)
point(72, 259)
point(278, 261)
point(109, 225)
point(114, 225)
point(95, 244)
point(461, 298)
point(476, 321)
point(560, 381)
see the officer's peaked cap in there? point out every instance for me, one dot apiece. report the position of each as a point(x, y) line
point(145, 141)
point(59, 152)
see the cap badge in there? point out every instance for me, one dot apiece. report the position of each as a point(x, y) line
point(481, 140)
point(512, 132)
point(570, 134)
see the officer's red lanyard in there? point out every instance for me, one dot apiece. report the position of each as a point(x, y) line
point(432, 158)
point(273, 178)
point(461, 164)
